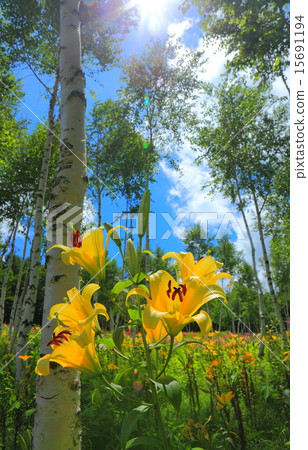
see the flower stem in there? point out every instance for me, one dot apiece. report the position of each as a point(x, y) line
point(168, 358)
point(157, 410)
point(106, 292)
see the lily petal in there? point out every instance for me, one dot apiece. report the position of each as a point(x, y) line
point(204, 321)
point(151, 317)
point(158, 286)
point(42, 366)
point(137, 291)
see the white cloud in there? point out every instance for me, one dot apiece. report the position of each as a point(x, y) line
point(6, 230)
point(216, 59)
point(176, 30)
point(89, 213)
point(185, 193)
point(214, 212)
point(279, 87)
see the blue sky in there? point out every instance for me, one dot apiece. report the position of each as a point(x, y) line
point(177, 202)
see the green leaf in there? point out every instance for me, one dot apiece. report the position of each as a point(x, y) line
point(107, 342)
point(123, 372)
point(24, 440)
point(139, 277)
point(133, 312)
point(172, 390)
point(15, 405)
point(253, 435)
point(276, 63)
point(149, 253)
point(143, 286)
point(117, 288)
point(130, 422)
point(181, 355)
point(96, 398)
point(118, 337)
point(147, 441)
point(22, 443)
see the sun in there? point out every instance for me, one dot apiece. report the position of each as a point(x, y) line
point(153, 14)
point(149, 7)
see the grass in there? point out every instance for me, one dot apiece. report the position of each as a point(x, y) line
point(229, 398)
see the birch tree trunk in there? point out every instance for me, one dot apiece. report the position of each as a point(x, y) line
point(35, 261)
point(19, 312)
point(268, 271)
point(148, 162)
point(6, 275)
point(19, 279)
point(56, 424)
point(254, 267)
point(6, 245)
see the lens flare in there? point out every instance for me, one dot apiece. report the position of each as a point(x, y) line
point(137, 387)
point(89, 3)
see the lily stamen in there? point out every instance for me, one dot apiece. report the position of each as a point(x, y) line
point(184, 289)
point(168, 292)
point(77, 241)
point(58, 339)
point(180, 291)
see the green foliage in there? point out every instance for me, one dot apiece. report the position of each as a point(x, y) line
point(156, 263)
point(31, 32)
point(130, 422)
point(170, 387)
point(157, 86)
point(116, 153)
point(247, 150)
point(249, 140)
point(196, 242)
point(11, 287)
point(256, 34)
point(21, 165)
point(17, 400)
point(104, 25)
point(224, 362)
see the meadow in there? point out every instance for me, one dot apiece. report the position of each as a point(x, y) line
point(226, 397)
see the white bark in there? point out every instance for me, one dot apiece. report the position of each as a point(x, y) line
point(268, 272)
point(6, 276)
point(56, 424)
point(19, 279)
point(35, 261)
point(255, 271)
point(19, 312)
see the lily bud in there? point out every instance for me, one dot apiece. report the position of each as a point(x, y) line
point(115, 235)
point(143, 213)
point(132, 257)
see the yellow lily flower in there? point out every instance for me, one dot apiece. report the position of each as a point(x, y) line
point(71, 350)
point(25, 357)
point(89, 252)
point(157, 333)
point(79, 311)
point(204, 268)
point(174, 305)
point(224, 399)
